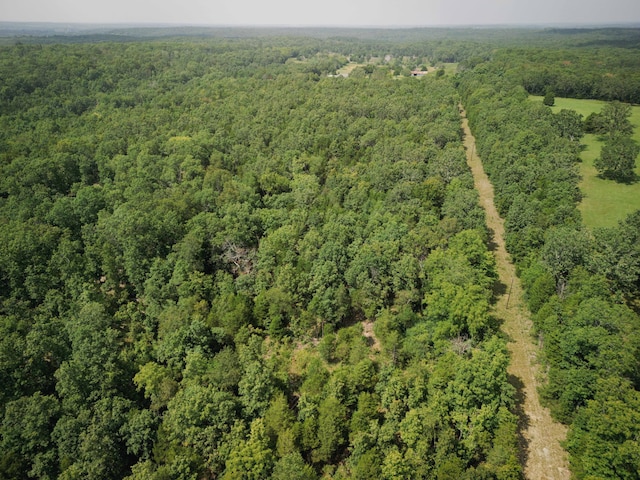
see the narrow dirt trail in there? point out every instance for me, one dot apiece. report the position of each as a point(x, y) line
point(540, 436)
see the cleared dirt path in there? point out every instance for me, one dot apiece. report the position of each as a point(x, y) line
point(540, 436)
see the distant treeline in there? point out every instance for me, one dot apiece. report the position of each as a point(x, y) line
point(604, 73)
point(599, 63)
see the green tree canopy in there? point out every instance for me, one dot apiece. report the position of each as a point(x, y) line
point(617, 159)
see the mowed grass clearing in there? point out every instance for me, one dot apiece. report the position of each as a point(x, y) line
point(450, 68)
point(348, 68)
point(605, 202)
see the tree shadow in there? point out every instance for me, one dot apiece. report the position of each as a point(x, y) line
point(498, 288)
point(491, 243)
point(626, 180)
point(523, 418)
point(369, 340)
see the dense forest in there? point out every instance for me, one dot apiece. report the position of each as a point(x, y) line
point(197, 241)
point(218, 259)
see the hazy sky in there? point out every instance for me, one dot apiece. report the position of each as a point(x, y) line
point(323, 12)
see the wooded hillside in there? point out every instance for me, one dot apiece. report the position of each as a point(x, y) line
point(196, 241)
point(220, 260)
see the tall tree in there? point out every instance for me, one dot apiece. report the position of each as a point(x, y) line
point(569, 124)
point(618, 158)
point(615, 119)
point(564, 249)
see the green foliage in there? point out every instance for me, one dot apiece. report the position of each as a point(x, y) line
point(602, 203)
point(569, 124)
point(26, 437)
point(575, 280)
point(89, 442)
point(618, 159)
point(539, 284)
point(565, 248)
point(219, 262)
point(615, 119)
point(607, 72)
point(252, 459)
point(603, 440)
point(158, 385)
point(292, 467)
point(594, 123)
point(618, 255)
point(332, 423)
point(549, 98)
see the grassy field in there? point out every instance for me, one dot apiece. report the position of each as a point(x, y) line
point(605, 202)
point(450, 68)
point(348, 68)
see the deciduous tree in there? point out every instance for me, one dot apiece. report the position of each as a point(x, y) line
point(618, 158)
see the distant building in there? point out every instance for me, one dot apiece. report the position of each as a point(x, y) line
point(418, 73)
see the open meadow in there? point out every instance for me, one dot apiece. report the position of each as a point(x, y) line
point(605, 202)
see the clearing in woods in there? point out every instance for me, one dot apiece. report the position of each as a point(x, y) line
point(540, 436)
point(605, 202)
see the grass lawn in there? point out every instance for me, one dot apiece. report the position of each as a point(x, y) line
point(348, 68)
point(450, 68)
point(605, 202)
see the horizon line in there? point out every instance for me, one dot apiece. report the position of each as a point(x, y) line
point(123, 23)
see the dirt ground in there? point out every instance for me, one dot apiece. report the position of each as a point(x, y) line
point(541, 454)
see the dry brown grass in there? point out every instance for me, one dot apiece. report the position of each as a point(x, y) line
point(540, 436)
